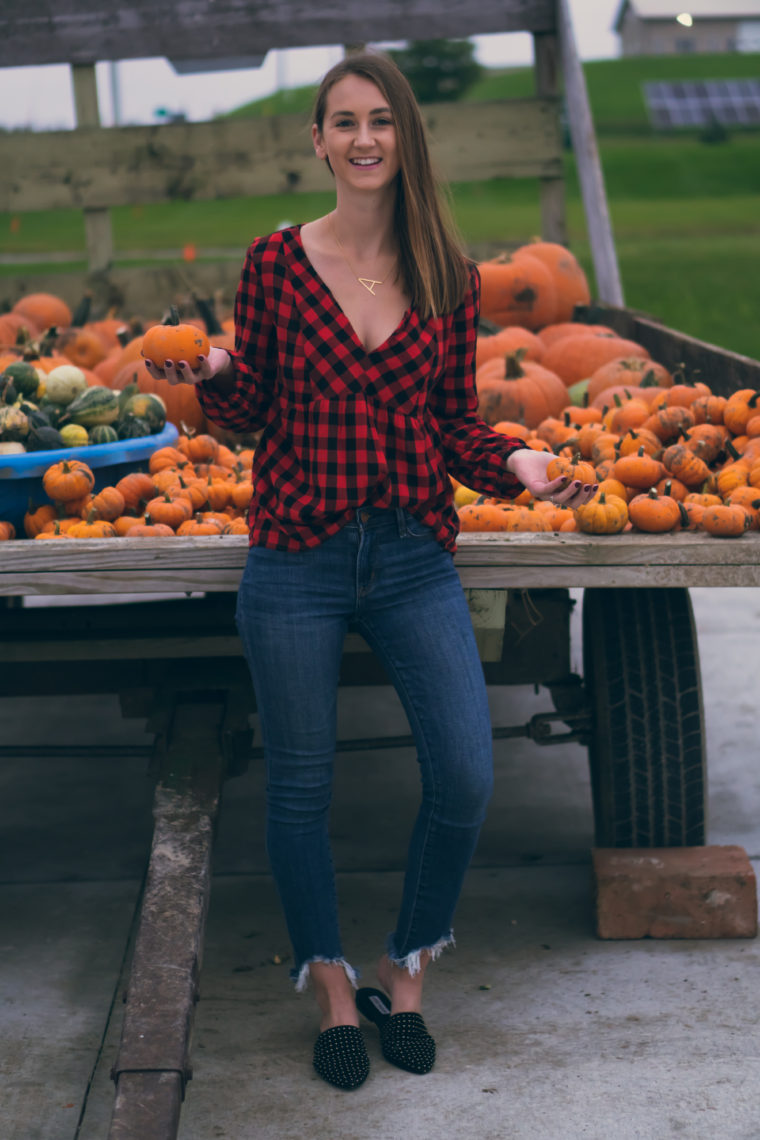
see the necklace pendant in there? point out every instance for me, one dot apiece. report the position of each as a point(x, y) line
point(369, 284)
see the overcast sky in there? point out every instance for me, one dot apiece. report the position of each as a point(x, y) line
point(40, 98)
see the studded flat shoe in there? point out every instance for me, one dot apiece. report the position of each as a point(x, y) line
point(340, 1057)
point(404, 1038)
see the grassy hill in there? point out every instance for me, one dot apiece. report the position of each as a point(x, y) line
point(614, 87)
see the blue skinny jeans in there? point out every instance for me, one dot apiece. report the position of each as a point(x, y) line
point(384, 575)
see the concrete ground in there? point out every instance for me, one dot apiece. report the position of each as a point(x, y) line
point(544, 1032)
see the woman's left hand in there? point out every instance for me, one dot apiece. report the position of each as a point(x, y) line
point(530, 468)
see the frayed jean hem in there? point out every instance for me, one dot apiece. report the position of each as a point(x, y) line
point(301, 976)
point(412, 961)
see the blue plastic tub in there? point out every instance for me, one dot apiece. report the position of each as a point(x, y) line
point(21, 475)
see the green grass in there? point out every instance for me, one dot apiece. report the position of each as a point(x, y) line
point(615, 85)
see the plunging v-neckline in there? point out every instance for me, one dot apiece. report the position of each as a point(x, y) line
point(341, 312)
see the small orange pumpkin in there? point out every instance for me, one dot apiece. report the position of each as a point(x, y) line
point(654, 513)
point(175, 342)
point(726, 521)
point(604, 514)
point(70, 479)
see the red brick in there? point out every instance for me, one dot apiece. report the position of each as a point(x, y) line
point(674, 892)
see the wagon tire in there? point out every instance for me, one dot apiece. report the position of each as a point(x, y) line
point(646, 745)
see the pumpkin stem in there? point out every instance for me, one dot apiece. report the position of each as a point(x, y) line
point(514, 369)
point(172, 317)
point(81, 314)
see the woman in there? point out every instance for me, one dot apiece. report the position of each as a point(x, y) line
point(355, 354)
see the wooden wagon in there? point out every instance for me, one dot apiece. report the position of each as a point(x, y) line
point(637, 705)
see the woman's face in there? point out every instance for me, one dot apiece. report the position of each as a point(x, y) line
point(358, 134)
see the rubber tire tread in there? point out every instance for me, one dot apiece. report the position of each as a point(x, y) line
point(646, 751)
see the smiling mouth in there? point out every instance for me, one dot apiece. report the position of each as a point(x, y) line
point(365, 161)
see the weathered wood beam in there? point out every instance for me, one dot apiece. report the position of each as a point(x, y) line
point(97, 220)
point(122, 566)
point(94, 168)
point(152, 1065)
point(608, 285)
point(546, 70)
point(85, 31)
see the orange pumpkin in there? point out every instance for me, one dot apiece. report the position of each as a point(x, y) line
point(82, 347)
point(517, 291)
point(726, 521)
point(92, 527)
point(654, 513)
point(44, 309)
point(15, 325)
point(577, 357)
point(175, 342)
point(68, 480)
point(559, 329)
point(511, 388)
point(638, 470)
point(136, 488)
point(604, 514)
point(628, 371)
point(508, 340)
point(570, 282)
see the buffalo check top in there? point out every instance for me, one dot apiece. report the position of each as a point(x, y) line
point(343, 426)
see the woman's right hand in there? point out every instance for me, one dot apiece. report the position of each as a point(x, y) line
point(217, 363)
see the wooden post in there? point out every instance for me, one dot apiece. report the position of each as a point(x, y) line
point(553, 214)
point(97, 222)
point(609, 287)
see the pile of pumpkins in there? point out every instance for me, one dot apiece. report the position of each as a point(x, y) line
point(197, 487)
point(666, 452)
point(41, 331)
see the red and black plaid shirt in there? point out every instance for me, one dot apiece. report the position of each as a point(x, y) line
point(344, 427)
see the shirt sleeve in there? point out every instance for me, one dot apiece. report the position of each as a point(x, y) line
point(474, 453)
point(244, 407)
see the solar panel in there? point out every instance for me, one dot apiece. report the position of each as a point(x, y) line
point(729, 102)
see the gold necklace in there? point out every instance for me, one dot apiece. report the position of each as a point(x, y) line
point(369, 283)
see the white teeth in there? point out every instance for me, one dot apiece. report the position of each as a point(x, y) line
point(365, 161)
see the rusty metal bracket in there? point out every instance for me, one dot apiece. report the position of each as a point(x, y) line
point(539, 727)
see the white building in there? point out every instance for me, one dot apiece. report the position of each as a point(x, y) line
point(670, 27)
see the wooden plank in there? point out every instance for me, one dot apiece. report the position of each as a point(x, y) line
point(608, 285)
point(552, 190)
point(483, 560)
point(101, 167)
point(84, 31)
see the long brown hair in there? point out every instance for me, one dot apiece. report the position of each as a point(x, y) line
point(433, 265)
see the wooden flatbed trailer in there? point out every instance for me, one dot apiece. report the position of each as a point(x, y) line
point(177, 661)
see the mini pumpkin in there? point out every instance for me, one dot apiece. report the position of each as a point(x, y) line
point(137, 488)
point(175, 342)
point(654, 513)
point(604, 514)
point(638, 470)
point(67, 480)
point(726, 521)
point(92, 527)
